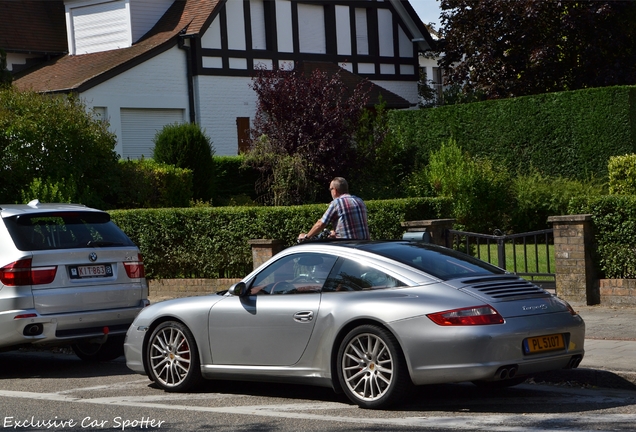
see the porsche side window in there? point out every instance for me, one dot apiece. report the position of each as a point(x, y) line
point(350, 275)
point(294, 274)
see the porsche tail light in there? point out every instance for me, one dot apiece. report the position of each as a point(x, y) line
point(135, 269)
point(21, 273)
point(477, 315)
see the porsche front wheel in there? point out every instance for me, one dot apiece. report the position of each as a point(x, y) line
point(173, 358)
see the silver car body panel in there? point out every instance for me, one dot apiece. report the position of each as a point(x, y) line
point(260, 338)
point(65, 294)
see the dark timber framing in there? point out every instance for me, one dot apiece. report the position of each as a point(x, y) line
point(331, 54)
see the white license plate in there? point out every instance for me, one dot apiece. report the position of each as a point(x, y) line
point(90, 271)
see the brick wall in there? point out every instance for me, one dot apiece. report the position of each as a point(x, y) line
point(618, 292)
point(574, 268)
point(163, 289)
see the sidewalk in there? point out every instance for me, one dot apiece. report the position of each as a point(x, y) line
point(610, 348)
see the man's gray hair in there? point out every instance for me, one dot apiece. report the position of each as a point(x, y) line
point(341, 185)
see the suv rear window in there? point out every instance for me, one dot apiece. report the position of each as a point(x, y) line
point(64, 230)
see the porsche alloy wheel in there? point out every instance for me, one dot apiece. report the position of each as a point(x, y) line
point(371, 367)
point(173, 359)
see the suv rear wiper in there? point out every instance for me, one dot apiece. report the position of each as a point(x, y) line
point(100, 243)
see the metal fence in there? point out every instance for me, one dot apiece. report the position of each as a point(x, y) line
point(529, 255)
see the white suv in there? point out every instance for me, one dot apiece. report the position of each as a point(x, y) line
point(68, 276)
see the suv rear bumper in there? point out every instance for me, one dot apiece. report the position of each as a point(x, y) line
point(61, 329)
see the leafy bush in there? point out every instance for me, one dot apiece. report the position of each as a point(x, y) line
point(187, 146)
point(56, 140)
point(213, 241)
point(480, 193)
point(284, 177)
point(49, 191)
point(379, 165)
point(614, 218)
point(622, 174)
point(234, 181)
point(150, 184)
point(538, 196)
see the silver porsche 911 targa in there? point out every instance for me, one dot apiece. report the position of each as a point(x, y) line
point(370, 319)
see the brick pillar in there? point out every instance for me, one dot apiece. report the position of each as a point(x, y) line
point(576, 278)
point(435, 227)
point(264, 249)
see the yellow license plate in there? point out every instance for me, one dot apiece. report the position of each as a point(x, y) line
point(543, 343)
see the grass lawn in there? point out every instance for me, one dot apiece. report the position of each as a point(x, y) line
point(520, 259)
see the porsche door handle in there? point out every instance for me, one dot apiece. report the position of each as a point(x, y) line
point(304, 316)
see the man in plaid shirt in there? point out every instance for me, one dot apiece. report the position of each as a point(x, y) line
point(347, 213)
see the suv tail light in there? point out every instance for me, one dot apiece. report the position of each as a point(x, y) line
point(135, 269)
point(20, 273)
point(478, 315)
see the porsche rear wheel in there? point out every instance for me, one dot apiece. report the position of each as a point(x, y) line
point(371, 367)
point(173, 358)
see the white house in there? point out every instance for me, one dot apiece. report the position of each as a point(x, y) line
point(142, 64)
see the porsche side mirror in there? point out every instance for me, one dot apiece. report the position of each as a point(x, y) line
point(239, 289)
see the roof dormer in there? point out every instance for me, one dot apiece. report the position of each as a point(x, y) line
point(102, 25)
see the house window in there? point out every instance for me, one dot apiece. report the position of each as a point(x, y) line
point(437, 82)
point(243, 132)
point(311, 28)
point(362, 37)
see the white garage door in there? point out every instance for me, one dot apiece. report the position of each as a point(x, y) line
point(139, 127)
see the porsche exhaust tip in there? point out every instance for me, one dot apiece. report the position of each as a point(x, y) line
point(506, 372)
point(574, 362)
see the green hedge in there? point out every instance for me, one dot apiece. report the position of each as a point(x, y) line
point(614, 218)
point(571, 134)
point(212, 242)
point(149, 184)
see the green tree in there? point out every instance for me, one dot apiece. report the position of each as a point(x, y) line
point(185, 145)
point(503, 48)
point(54, 140)
point(303, 132)
point(379, 165)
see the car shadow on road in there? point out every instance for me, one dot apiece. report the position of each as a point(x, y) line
point(57, 363)
point(531, 397)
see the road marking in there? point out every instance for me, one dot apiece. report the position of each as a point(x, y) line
point(469, 421)
point(117, 386)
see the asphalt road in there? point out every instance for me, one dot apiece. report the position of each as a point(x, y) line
point(56, 391)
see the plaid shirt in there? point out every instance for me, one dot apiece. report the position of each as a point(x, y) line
point(349, 215)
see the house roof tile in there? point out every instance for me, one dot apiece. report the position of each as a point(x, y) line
point(351, 81)
point(79, 72)
point(33, 27)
